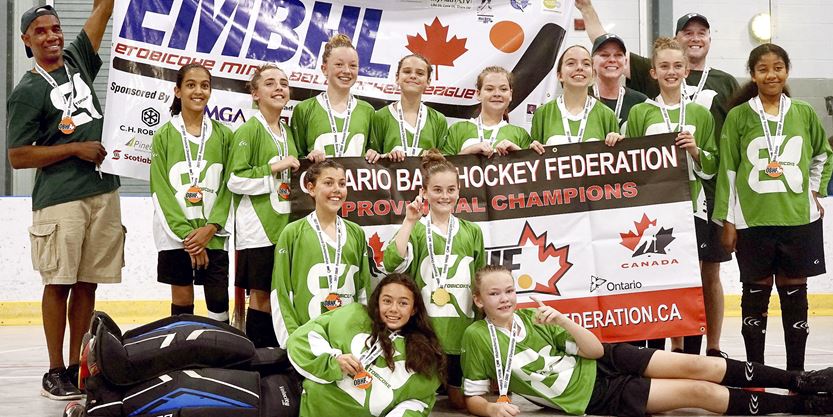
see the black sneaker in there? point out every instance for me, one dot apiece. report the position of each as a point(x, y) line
point(818, 404)
point(815, 381)
point(717, 353)
point(72, 375)
point(56, 386)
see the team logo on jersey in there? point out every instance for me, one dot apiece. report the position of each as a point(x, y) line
point(376, 254)
point(436, 46)
point(647, 238)
point(550, 262)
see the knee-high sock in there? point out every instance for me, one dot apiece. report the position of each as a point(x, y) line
point(754, 303)
point(751, 374)
point(692, 344)
point(758, 403)
point(216, 300)
point(794, 319)
point(178, 309)
point(259, 329)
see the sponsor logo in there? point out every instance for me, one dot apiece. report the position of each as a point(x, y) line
point(484, 11)
point(116, 154)
point(226, 114)
point(120, 154)
point(647, 238)
point(150, 117)
point(436, 46)
point(519, 4)
point(610, 286)
point(596, 282)
point(138, 145)
point(134, 129)
point(550, 262)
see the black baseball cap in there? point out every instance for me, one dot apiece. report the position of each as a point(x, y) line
point(30, 15)
point(681, 22)
point(608, 37)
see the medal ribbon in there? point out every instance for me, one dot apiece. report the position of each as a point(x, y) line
point(369, 356)
point(588, 104)
point(283, 148)
point(332, 270)
point(667, 119)
point(482, 137)
point(54, 84)
point(619, 99)
point(700, 85)
point(193, 169)
point(779, 128)
point(339, 144)
point(440, 276)
point(403, 135)
point(503, 374)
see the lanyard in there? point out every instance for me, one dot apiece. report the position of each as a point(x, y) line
point(619, 99)
point(779, 128)
point(700, 85)
point(339, 144)
point(440, 274)
point(283, 148)
point(482, 137)
point(54, 84)
point(413, 150)
point(503, 374)
point(369, 356)
point(193, 168)
point(667, 119)
point(332, 270)
point(583, 124)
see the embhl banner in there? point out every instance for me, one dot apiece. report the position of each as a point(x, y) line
point(152, 39)
point(605, 235)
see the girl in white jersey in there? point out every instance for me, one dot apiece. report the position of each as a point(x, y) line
point(544, 356)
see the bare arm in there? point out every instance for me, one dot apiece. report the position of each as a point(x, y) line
point(592, 24)
point(480, 406)
point(33, 156)
point(97, 22)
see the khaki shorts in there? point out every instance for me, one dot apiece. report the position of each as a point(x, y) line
point(79, 241)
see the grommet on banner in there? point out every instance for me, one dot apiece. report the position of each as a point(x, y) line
point(554, 149)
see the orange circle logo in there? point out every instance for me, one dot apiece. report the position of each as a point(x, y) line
point(507, 36)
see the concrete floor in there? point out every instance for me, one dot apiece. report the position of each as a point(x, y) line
point(23, 361)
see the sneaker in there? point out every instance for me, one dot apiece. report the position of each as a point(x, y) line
point(717, 353)
point(816, 404)
point(815, 381)
point(72, 375)
point(56, 386)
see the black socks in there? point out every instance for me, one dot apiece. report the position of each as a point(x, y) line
point(259, 329)
point(754, 304)
point(794, 319)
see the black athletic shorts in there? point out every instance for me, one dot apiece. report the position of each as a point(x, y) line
point(620, 388)
point(790, 251)
point(174, 267)
point(254, 268)
point(455, 371)
point(709, 248)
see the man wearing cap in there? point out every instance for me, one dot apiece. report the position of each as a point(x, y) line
point(711, 88)
point(609, 61)
point(55, 123)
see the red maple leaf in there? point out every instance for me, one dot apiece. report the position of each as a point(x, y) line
point(376, 244)
point(547, 250)
point(631, 239)
point(436, 46)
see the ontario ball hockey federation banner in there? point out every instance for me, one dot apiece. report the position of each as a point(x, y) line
point(152, 39)
point(603, 234)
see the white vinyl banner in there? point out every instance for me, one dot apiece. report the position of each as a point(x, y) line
point(152, 39)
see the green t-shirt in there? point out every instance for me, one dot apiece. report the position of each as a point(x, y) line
point(313, 130)
point(548, 128)
point(175, 217)
point(463, 134)
point(386, 135)
point(746, 195)
point(313, 349)
point(260, 212)
point(629, 99)
point(646, 119)
point(467, 256)
point(546, 368)
point(718, 89)
point(299, 278)
point(34, 110)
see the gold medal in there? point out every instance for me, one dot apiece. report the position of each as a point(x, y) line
point(66, 126)
point(504, 399)
point(194, 194)
point(283, 191)
point(362, 380)
point(774, 169)
point(440, 297)
point(332, 302)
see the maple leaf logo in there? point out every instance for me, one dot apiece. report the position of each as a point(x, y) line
point(436, 46)
point(545, 251)
point(646, 238)
point(375, 244)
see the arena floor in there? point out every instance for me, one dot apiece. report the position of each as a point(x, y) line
point(23, 361)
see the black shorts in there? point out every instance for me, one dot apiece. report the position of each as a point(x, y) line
point(455, 371)
point(709, 248)
point(174, 267)
point(254, 268)
point(790, 251)
point(620, 388)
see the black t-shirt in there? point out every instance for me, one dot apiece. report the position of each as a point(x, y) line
point(630, 99)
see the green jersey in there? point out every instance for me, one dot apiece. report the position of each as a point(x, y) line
point(746, 195)
point(630, 98)
point(546, 368)
point(465, 133)
point(34, 110)
point(177, 212)
point(647, 119)
point(313, 130)
point(548, 123)
point(718, 88)
point(313, 350)
point(386, 131)
point(261, 212)
point(300, 279)
point(466, 257)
